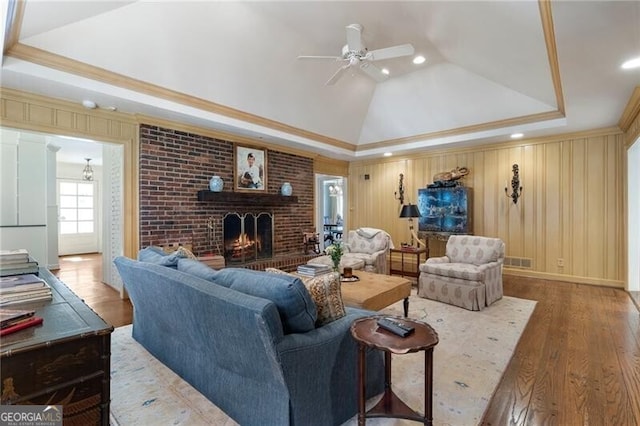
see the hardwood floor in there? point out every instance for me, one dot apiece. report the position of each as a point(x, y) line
point(83, 274)
point(577, 362)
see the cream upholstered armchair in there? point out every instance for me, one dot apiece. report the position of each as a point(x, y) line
point(370, 245)
point(469, 276)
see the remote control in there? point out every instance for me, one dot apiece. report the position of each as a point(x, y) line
point(395, 327)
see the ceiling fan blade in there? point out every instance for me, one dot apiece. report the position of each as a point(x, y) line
point(354, 37)
point(337, 75)
point(390, 52)
point(373, 72)
point(335, 58)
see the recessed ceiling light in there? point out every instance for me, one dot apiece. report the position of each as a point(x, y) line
point(89, 104)
point(385, 71)
point(517, 135)
point(631, 63)
point(419, 60)
point(387, 154)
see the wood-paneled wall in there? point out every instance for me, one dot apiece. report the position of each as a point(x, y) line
point(571, 211)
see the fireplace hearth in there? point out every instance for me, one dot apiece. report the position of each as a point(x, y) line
point(247, 237)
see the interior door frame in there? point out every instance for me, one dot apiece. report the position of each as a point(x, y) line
point(320, 204)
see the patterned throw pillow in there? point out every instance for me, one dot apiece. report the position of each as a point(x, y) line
point(185, 253)
point(325, 292)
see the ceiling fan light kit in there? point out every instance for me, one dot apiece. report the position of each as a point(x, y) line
point(356, 55)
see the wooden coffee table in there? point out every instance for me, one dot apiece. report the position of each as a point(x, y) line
point(376, 291)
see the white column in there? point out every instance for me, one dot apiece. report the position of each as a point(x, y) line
point(112, 217)
point(52, 207)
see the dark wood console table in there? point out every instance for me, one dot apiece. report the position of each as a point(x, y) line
point(65, 361)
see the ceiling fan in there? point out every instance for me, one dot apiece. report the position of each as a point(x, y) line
point(354, 53)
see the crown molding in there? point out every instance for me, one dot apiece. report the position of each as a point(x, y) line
point(45, 101)
point(218, 134)
point(546, 18)
point(631, 111)
point(14, 24)
point(606, 131)
point(509, 122)
point(71, 66)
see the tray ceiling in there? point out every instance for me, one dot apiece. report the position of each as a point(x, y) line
point(492, 68)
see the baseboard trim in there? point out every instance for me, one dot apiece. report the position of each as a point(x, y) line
point(565, 278)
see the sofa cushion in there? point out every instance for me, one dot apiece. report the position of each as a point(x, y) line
point(466, 271)
point(474, 249)
point(198, 269)
point(364, 258)
point(326, 294)
point(367, 240)
point(295, 305)
point(157, 256)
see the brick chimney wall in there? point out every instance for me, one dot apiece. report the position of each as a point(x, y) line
point(175, 165)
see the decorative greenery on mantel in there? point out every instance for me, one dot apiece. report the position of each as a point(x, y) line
point(246, 197)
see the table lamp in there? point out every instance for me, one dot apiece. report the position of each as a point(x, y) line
point(410, 211)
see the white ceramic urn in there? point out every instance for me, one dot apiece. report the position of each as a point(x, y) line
point(216, 184)
point(286, 189)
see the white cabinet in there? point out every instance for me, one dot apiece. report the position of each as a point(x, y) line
point(32, 182)
point(23, 160)
point(23, 213)
point(9, 181)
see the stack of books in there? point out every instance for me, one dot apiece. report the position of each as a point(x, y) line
point(25, 288)
point(15, 320)
point(313, 270)
point(16, 262)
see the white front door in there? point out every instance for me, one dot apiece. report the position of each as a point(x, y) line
point(78, 228)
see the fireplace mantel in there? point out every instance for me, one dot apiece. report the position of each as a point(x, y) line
point(246, 197)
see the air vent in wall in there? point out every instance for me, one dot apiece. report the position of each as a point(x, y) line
point(517, 262)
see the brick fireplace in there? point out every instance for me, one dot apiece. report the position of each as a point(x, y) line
point(175, 165)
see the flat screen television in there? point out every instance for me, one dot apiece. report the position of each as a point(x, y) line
point(445, 210)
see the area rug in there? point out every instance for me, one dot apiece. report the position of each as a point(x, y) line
point(474, 350)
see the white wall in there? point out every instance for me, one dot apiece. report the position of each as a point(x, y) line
point(633, 215)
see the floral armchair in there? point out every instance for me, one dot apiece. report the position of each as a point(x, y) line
point(469, 276)
point(370, 245)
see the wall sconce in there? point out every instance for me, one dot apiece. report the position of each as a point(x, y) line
point(87, 172)
point(399, 194)
point(516, 189)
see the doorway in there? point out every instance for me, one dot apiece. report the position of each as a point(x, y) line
point(90, 210)
point(330, 208)
point(77, 221)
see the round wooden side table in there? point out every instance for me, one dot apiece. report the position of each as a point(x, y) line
point(367, 333)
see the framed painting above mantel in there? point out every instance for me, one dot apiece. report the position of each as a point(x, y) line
point(250, 164)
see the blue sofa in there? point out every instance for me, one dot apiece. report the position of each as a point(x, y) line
point(246, 353)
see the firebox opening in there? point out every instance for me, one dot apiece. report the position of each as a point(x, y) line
point(247, 237)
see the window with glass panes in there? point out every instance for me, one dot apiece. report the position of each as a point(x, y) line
point(76, 207)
